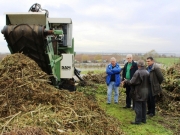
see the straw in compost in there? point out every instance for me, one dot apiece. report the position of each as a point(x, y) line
point(29, 102)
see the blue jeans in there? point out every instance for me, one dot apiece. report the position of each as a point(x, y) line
point(111, 87)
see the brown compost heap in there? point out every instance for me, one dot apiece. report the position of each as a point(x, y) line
point(30, 105)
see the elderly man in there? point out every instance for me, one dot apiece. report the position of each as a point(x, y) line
point(113, 80)
point(156, 78)
point(128, 71)
point(140, 82)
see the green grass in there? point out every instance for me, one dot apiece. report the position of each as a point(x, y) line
point(125, 116)
point(168, 61)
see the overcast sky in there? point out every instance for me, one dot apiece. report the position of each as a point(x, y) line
point(128, 26)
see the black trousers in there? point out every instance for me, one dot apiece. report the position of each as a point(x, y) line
point(128, 99)
point(151, 102)
point(140, 110)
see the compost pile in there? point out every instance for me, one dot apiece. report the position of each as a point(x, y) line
point(169, 102)
point(90, 79)
point(30, 105)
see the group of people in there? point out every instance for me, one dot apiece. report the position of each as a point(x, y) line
point(142, 84)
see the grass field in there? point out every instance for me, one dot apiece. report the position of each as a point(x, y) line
point(125, 116)
point(94, 70)
point(167, 61)
point(156, 125)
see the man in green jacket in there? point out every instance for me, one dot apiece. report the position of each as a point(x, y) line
point(156, 78)
point(128, 71)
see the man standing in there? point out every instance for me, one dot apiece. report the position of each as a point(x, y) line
point(156, 78)
point(128, 71)
point(113, 80)
point(140, 83)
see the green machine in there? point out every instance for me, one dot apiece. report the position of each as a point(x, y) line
point(48, 41)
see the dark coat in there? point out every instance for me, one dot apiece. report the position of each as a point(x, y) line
point(132, 70)
point(140, 84)
point(156, 78)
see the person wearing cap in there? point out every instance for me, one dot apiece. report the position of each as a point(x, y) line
point(128, 71)
point(140, 84)
point(156, 78)
point(113, 80)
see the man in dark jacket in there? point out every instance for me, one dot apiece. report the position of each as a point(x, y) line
point(128, 71)
point(140, 82)
point(113, 80)
point(156, 78)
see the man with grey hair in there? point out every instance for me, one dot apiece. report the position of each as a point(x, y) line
point(113, 80)
point(128, 71)
point(140, 84)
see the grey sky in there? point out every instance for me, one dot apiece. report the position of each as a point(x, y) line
point(112, 25)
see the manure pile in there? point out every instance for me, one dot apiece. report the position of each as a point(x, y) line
point(30, 105)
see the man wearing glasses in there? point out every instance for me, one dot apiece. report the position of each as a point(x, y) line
point(156, 78)
point(128, 71)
